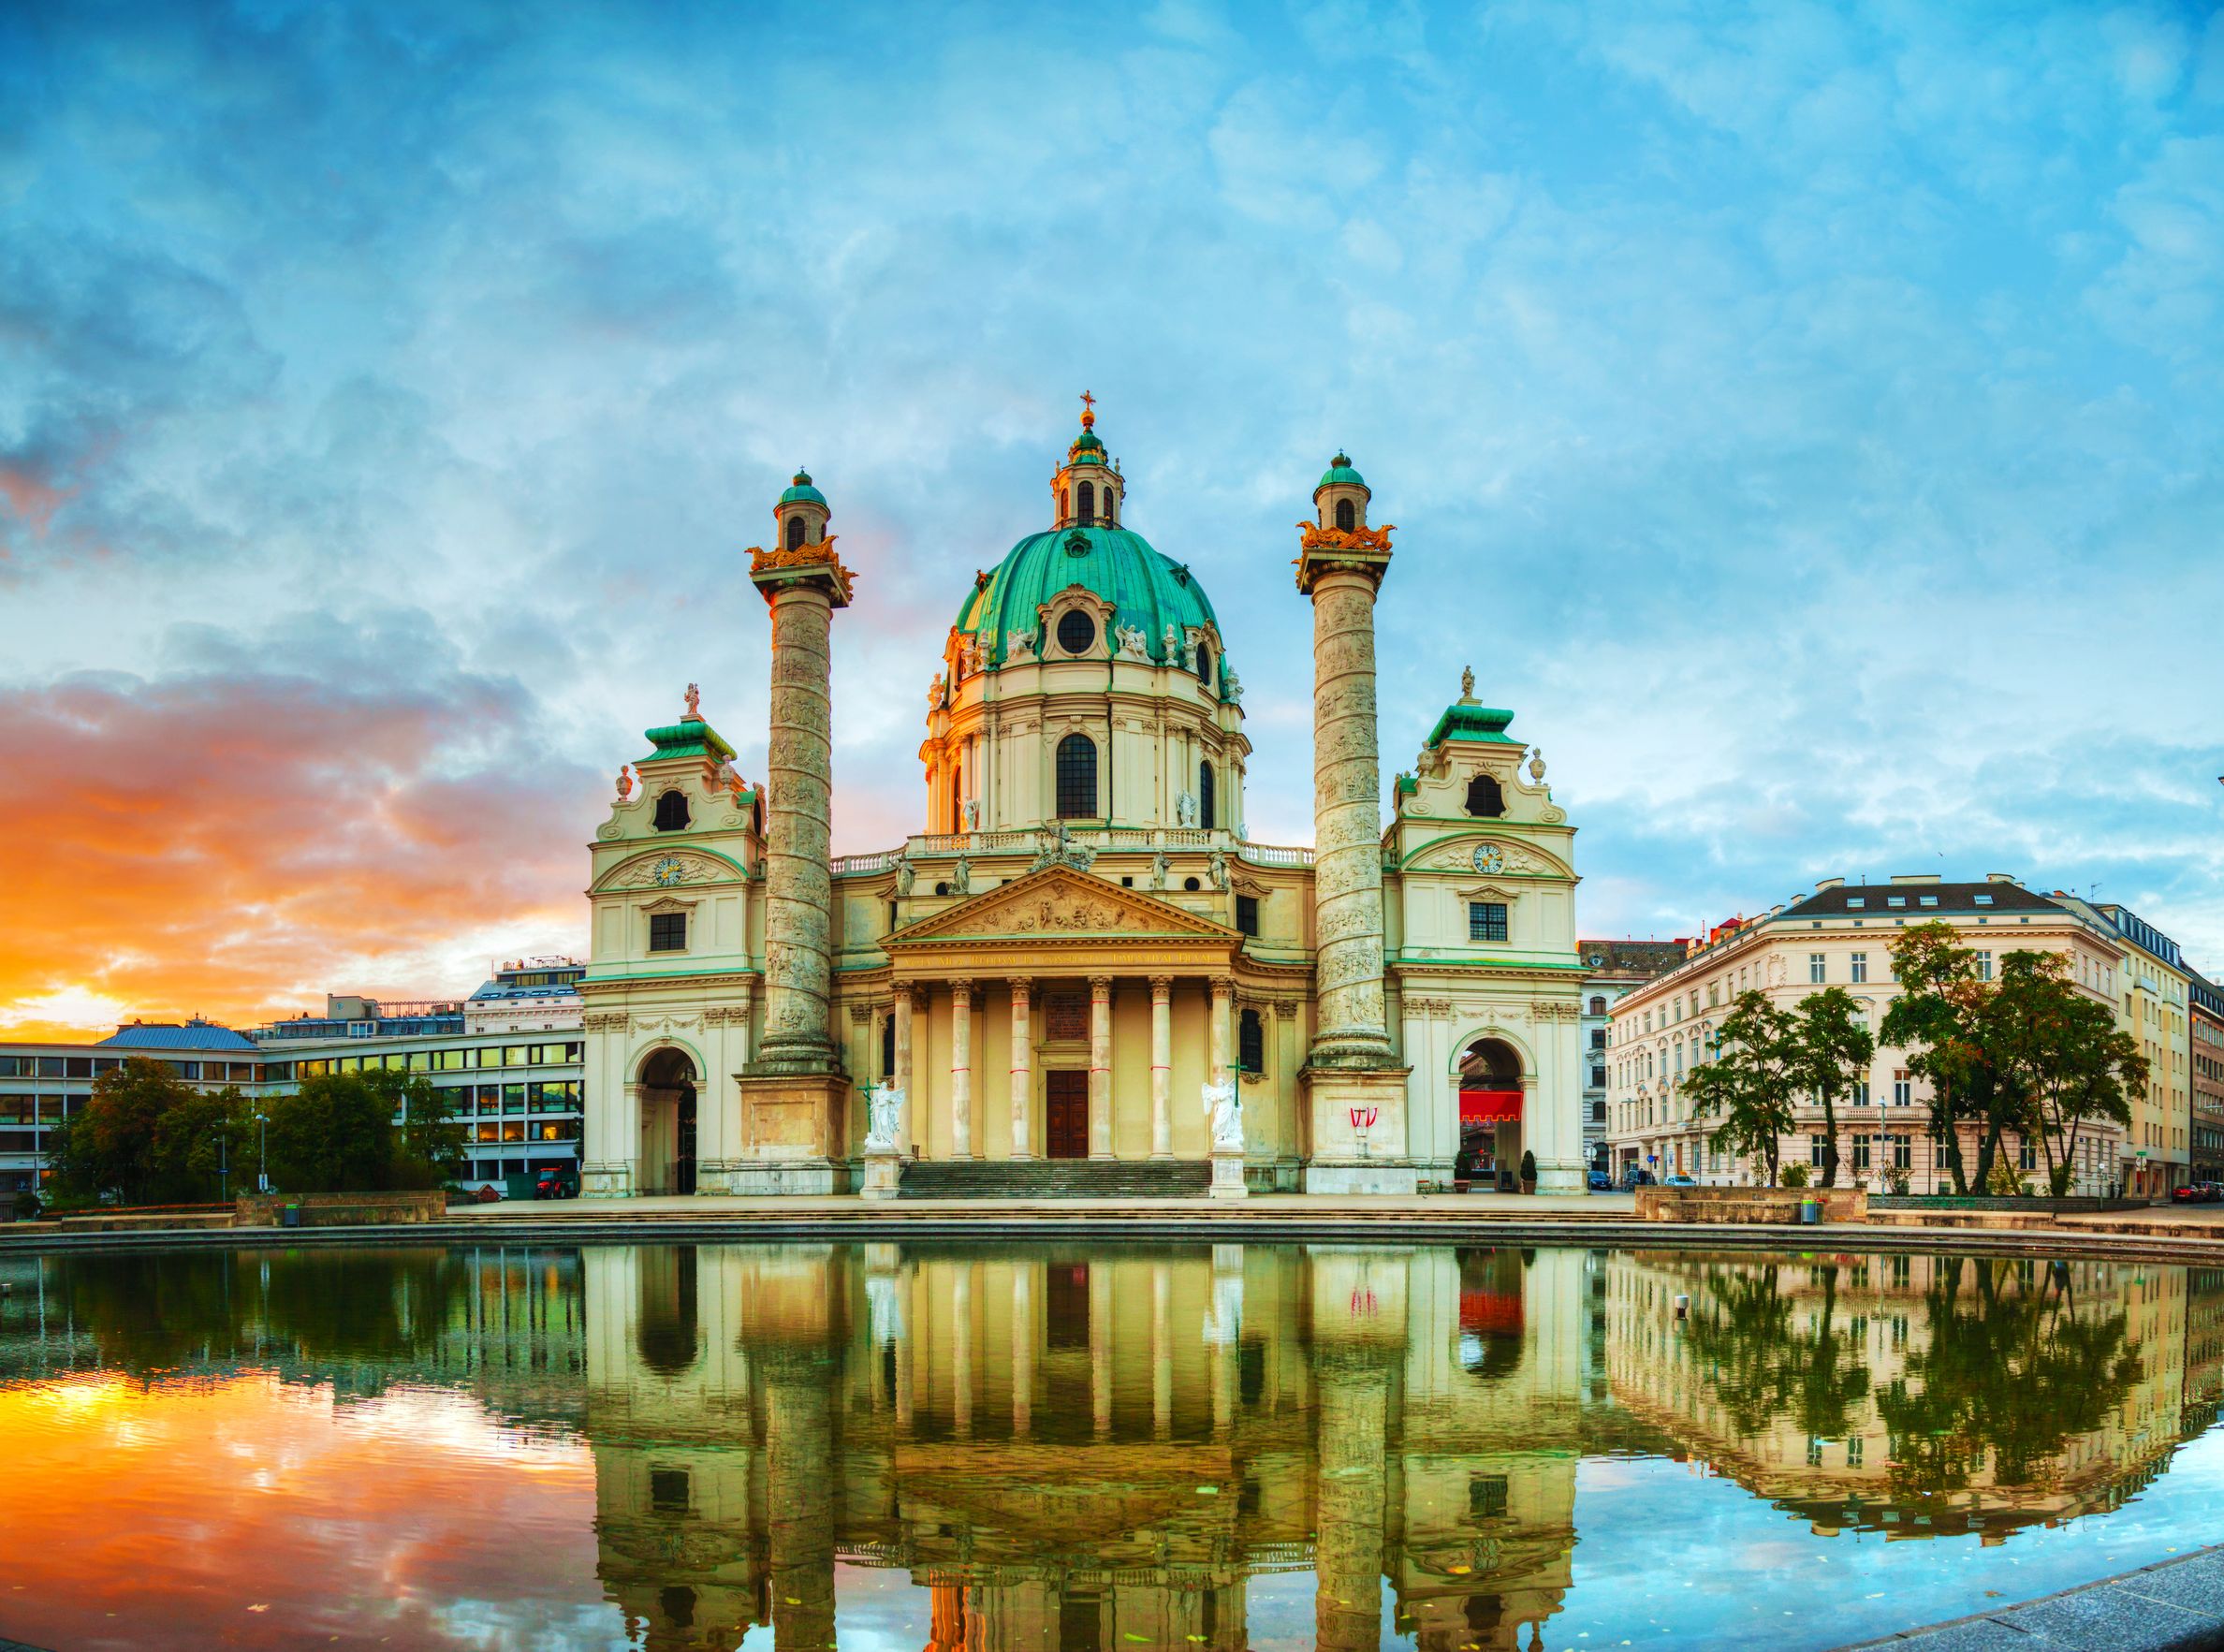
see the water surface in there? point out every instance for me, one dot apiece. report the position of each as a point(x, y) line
point(1084, 1446)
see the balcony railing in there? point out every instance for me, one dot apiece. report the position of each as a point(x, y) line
point(1105, 839)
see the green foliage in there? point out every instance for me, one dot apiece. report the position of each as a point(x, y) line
point(2012, 1372)
point(1766, 1361)
point(1831, 1048)
point(145, 1137)
point(2003, 1183)
point(2031, 1052)
point(352, 1132)
point(1757, 1070)
point(1795, 1176)
point(1936, 974)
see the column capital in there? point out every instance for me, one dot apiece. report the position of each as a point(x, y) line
point(1100, 984)
point(1021, 985)
point(962, 992)
point(1224, 986)
point(1161, 987)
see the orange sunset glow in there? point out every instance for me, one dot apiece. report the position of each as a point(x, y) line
point(246, 1512)
point(239, 842)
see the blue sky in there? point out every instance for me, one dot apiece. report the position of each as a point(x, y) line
point(1810, 420)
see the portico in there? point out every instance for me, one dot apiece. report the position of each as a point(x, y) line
point(1016, 1011)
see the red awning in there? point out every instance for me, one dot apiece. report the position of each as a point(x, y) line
point(1489, 1107)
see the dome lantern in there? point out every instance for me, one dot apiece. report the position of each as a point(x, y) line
point(1341, 494)
point(802, 513)
point(1088, 489)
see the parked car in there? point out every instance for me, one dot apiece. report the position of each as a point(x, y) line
point(1600, 1183)
point(1636, 1178)
point(1679, 1181)
point(2198, 1192)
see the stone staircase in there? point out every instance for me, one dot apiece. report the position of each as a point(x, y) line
point(1054, 1178)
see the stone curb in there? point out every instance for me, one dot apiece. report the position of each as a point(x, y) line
point(2171, 1606)
point(1038, 1223)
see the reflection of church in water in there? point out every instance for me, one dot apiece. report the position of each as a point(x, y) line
point(1085, 1451)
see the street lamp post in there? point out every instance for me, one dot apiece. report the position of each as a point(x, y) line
point(262, 1153)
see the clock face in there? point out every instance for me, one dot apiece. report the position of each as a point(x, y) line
point(666, 873)
point(1489, 857)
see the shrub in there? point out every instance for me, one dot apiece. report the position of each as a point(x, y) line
point(1795, 1176)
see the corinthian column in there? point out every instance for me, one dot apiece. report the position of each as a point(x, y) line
point(962, 1070)
point(1022, 1069)
point(804, 586)
point(1162, 1066)
point(1341, 579)
point(1100, 1066)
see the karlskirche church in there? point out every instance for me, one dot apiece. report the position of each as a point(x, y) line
point(1081, 975)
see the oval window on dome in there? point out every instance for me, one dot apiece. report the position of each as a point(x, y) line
point(1076, 632)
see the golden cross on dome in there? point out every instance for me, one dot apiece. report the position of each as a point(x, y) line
point(1088, 409)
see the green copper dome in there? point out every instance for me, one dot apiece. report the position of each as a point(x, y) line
point(802, 492)
point(1148, 591)
point(1340, 474)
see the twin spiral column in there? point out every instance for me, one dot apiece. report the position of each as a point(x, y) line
point(1356, 1085)
point(794, 1096)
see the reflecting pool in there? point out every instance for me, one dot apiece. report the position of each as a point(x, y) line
point(1102, 1445)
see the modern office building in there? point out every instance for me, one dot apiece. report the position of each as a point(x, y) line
point(511, 1052)
point(43, 1083)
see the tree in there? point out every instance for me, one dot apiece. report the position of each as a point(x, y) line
point(2066, 1060)
point(347, 1133)
point(1756, 1070)
point(144, 1136)
point(1832, 1048)
point(428, 1150)
point(1928, 1019)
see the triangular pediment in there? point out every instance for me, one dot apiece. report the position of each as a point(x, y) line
point(1060, 903)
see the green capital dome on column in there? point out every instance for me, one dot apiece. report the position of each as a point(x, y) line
point(1340, 474)
point(802, 492)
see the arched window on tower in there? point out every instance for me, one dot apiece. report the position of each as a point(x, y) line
point(1088, 499)
point(1064, 508)
point(1205, 664)
point(1250, 1042)
point(888, 1047)
point(1205, 800)
point(1111, 515)
point(1077, 778)
point(1484, 797)
point(1347, 515)
point(671, 812)
point(957, 797)
point(796, 528)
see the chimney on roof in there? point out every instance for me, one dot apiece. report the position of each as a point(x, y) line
point(1917, 878)
point(1822, 883)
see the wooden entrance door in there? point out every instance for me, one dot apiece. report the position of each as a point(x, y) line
point(1066, 1108)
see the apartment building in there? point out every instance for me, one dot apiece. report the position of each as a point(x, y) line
point(1839, 936)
